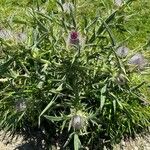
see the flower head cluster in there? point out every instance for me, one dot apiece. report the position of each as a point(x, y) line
point(137, 59)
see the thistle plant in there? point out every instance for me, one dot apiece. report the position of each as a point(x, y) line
point(78, 94)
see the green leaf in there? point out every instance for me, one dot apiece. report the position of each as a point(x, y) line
point(60, 88)
point(93, 37)
point(92, 23)
point(77, 143)
point(110, 34)
point(117, 100)
point(39, 23)
point(47, 107)
point(102, 102)
point(103, 90)
point(110, 18)
point(138, 86)
point(21, 116)
point(114, 106)
point(103, 27)
point(4, 66)
point(68, 140)
point(53, 118)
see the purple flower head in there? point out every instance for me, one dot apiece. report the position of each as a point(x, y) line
point(74, 38)
point(74, 35)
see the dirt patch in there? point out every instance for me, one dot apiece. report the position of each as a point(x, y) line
point(6, 143)
point(140, 143)
point(18, 143)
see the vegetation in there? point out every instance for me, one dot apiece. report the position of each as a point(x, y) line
point(76, 70)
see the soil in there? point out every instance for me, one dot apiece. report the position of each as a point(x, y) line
point(140, 143)
point(18, 143)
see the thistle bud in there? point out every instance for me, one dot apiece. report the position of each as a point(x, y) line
point(77, 122)
point(21, 37)
point(68, 7)
point(138, 60)
point(122, 51)
point(20, 106)
point(118, 2)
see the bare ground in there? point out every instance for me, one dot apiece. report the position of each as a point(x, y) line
point(140, 143)
point(18, 143)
